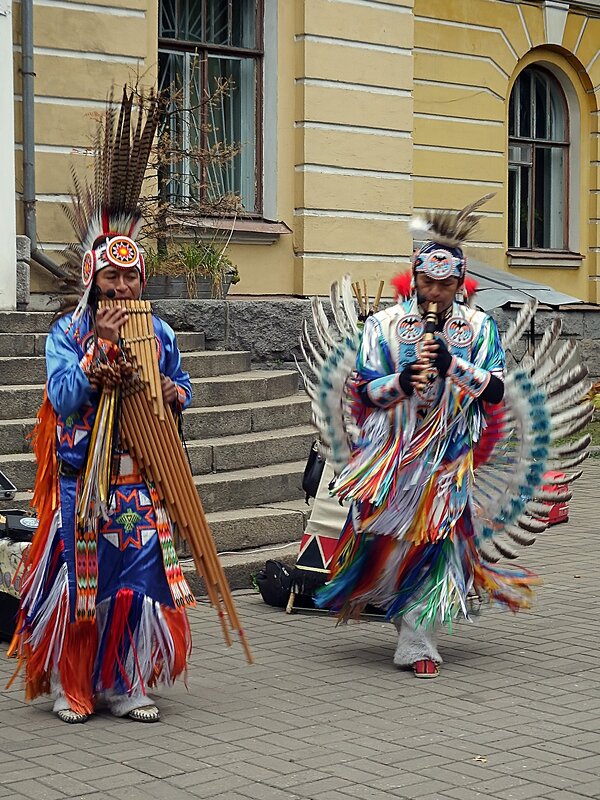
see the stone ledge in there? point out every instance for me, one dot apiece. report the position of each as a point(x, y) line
point(270, 328)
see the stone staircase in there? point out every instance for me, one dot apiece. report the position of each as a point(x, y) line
point(248, 435)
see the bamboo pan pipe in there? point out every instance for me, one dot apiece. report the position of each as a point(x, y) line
point(154, 441)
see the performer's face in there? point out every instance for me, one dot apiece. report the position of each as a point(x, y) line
point(441, 292)
point(126, 283)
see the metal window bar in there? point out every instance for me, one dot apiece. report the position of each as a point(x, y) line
point(230, 176)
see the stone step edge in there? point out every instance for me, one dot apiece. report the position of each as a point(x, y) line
point(271, 434)
point(286, 467)
point(208, 354)
point(250, 375)
point(241, 567)
point(254, 436)
point(300, 397)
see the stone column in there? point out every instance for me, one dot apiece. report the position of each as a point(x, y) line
point(8, 254)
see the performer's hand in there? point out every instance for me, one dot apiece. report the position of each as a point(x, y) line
point(443, 358)
point(405, 379)
point(427, 353)
point(109, 322)
point(169, 390)
point(422, 367)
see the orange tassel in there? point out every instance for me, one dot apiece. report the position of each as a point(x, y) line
point(76, 665)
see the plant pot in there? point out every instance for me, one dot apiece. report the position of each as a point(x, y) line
point(170, 287)
point(165, 287)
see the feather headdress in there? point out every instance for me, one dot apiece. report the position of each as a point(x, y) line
point(448, 228)
point(105, 215)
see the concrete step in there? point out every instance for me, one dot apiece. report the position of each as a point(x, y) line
point(22, 369)
point(20, 469)
point(245, 387)
point(199, 423)
point(212, 363)
point(246, 450)
point(246, 488)
point(187, 341)
point(20, 500)
point(243, 451)
point(213, 421)
point(200, 364)
point(240, 568)
point(20, 402)
point(248, 528)
point(13, 435)
point(25, 321)
point(23, 400)
point(22, 344)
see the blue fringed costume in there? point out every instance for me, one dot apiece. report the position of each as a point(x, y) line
point(105, 616)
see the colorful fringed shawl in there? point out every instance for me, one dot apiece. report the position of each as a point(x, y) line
point(408, 542)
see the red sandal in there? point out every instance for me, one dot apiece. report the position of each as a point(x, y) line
point(425, 668)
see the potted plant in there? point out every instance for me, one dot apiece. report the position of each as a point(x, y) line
point(195, 270)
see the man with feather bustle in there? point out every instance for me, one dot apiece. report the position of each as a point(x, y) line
point(427, 396)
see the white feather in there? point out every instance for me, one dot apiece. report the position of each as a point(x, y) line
point(517, 328)
point(419, 227)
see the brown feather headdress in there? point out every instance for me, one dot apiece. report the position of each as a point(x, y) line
point(105, 215)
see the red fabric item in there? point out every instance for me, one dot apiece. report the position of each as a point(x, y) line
point(118, 628)
point(494, 415)
point(402, 285)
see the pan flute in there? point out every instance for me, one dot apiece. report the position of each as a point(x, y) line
point(150, 433)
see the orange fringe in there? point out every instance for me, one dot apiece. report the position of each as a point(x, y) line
point(76, 666)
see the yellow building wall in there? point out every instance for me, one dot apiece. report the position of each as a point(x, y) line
point(79, 53)
point(353, 145)
point(381, 109)
point(467, 57)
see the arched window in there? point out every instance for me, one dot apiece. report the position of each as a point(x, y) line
point(538, 163)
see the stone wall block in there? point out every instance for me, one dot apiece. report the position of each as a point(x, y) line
point(589, 350)
point(23, 248)
point(23, 283)
point(591, 323)
point(209, 316)
point(270, 330)
point(572, 322)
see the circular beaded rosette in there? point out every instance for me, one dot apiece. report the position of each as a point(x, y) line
point(439, 265)
point(122, 252)
point(410, 329)
point(458, 332)
point(88, 265)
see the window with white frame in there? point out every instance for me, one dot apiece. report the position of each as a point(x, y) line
point(538, 168)
point(205, 45)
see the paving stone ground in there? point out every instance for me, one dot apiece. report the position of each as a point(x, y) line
point(324, 714)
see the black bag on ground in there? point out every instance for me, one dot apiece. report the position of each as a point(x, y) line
point(313, 471)
point(16, 527)
point(274, 583)
point(9, 607)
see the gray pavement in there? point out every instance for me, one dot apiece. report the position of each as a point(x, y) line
point(324, 714)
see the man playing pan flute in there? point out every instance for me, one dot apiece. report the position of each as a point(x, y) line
point(103, 607)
